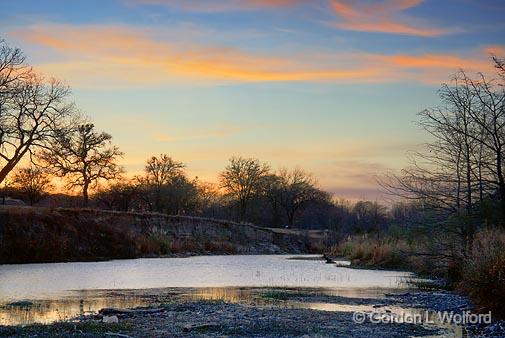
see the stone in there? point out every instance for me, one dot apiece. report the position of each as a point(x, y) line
point(110, 319)
point(192, 327)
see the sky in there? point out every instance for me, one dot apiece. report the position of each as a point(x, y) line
point(332, 86)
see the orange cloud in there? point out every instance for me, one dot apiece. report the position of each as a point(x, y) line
point(93, 54)
point(496, 51)
point(382, 17)
point(436, 61)
point(132, 55)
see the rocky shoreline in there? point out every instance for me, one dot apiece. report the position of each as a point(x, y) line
point(268, 313)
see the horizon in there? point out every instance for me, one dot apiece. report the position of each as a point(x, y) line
point(332, 87)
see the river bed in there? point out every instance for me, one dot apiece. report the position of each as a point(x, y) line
point(46, 293)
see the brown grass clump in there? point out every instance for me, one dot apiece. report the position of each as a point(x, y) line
point(483, 276)
point(365, 250)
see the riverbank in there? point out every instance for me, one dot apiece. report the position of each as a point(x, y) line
point(268, 313)
point(32, 235)
point(480, 273)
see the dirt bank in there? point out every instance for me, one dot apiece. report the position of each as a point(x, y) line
point(30, 234)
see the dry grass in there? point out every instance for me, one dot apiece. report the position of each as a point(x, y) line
point(484, 272)
point(30, 234)
point(365, 250)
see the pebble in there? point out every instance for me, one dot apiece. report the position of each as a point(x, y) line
point(110, 319)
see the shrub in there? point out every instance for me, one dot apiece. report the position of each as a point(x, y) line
point(483, 276)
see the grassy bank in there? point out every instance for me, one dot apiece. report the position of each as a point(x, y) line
point(387, 252)
point(483, 273)
point(29, 234)
point(480, 273)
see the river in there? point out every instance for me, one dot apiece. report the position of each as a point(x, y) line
point(57, 291)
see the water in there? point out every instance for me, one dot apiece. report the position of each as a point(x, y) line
point(42, 281)
point(60, 291)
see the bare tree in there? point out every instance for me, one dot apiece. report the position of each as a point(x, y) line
point(160, 172)
point(209, 198)
point(499, 65)
point(297, 188)
point(34, 182)
point(242, 179)
point(120, 195)
point(489, 116)
point(13, 68)
point(461, 169)
point(31, 109)
point(83, 156)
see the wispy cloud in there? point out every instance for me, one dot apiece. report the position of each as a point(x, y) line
point(124, 54)
point(386, 16)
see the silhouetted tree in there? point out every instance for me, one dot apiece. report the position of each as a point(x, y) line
point(119, 196)
point(13, 69)
point(83, 156)
point(209, 198)
point(159, 173)
point(242, 179)
point(370, 216)
point(33, 182)
point(461, 170)
point(31, 109)
point(296, 189)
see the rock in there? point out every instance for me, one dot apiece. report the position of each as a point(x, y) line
point(113, 334)
point(113, 311)
point(110, 319)
point(204, 326)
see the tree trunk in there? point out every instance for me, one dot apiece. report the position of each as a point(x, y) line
point(85, 193)
point(11, 164)
point(291, 218)
point(243, 209)
point(501, 184)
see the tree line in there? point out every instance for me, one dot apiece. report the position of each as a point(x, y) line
point(458, 180)
point(39, 122)
point(457, 184)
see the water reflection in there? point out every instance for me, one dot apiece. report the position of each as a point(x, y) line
point(78, 303)
point(90, 302)
point(59, 291)
point(47, 281)
point(48, 311)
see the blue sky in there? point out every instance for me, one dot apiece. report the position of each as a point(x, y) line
point(332, 86)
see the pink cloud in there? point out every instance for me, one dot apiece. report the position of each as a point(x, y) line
point(131, 55)
point(383, 17)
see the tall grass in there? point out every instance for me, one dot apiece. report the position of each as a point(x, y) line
point(483, 275)
point(367, 250)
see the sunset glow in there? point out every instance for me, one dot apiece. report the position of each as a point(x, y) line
point(332, 86)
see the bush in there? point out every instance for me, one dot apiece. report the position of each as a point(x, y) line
point(483, 276)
